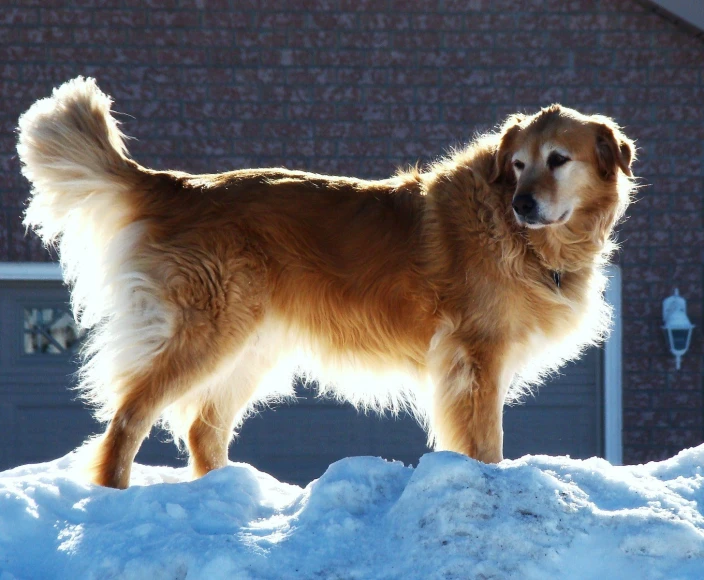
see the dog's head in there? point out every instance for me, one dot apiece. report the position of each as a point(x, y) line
point(561, 162)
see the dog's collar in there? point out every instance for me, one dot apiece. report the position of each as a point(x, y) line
point(557, 277)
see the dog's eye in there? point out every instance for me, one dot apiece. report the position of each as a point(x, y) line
point(519, 165)
point(556, 160)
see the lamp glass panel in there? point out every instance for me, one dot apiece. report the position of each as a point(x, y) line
point(680, 338)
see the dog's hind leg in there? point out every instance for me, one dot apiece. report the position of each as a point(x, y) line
point(190, 359)
point(170, 376)
point(217, 415)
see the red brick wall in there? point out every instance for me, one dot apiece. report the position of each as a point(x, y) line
point(360, 86)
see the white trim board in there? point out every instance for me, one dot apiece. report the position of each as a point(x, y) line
point(613, 394)
point(30, 271)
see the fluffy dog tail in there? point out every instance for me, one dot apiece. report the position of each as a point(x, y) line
point(83, 191)
point(74, 155)
point(85, 200)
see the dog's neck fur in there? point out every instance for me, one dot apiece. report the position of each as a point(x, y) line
point(565, 248)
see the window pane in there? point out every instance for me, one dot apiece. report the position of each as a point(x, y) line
point(50, 331)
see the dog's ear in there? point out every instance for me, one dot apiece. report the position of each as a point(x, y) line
point(502, 159)
point(613, 150)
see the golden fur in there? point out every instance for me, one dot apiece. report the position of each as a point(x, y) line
point(196, 287)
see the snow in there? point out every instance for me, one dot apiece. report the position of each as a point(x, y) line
point(450, 517)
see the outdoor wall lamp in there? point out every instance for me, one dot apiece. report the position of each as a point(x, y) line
point(676, 325)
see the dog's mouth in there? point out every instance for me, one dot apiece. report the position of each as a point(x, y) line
point(538, 222)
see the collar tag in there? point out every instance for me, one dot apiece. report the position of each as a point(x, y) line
point(557, 278)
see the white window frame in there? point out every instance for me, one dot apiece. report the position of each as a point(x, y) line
point(613, 369)
point(30, 271)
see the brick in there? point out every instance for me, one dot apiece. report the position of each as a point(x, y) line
point(414, 112)
point(333, 21)
point(286, 94)
point(646, 21)
point(633, 455)
point(619, 39)
point(153, 74)
point(210, 146)
point(45, 35)
point(338, 130)
point(233, 94)
point(636, 364)
point(409, 76)
point(346, 57)
point(474, 116)
point(630, 57)
point(254, 39)
point(681, 95)
point(498, 21)
point(310, 76)
point(312, 148)
point(22, 16)
point(686, 419)
point(363, 112)
point(181, 57)
point(391, 130)
point(636, 437)
point(676, 438)
point(684, 56)
point(311, 112)
point(174, 18)
point(362, 148)
point(229, 19)
point(646, 419)
point(173, 129)
point(393, 58)
point(260, 75)
point(431, 21)
point(256, 111)
point(597, 58)
point(338, 94)
point(155, 109)
point(362, 76)
point(158, 4)
point(103, 36)
point(629, 77)
point(390, 95)
point(283, 20)
point(399, 21)
point(78, 54)
point(519, 40)
point(358, 5)
point(417, 40)
point(203, 38)
point(66, 17)
point(22, 54)
point(130, 18)
point(311, 38)
point(676, 76)
point(374, 168)
point(364, 40)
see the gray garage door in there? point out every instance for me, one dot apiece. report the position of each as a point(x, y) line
point(41, 420)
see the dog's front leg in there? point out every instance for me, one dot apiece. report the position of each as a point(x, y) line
point(468, 404)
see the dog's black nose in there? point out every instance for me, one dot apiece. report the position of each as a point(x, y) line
point(524, 204)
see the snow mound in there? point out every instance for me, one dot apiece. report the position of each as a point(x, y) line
point(451, 517)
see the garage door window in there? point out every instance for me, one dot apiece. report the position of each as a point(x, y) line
point(50, 331)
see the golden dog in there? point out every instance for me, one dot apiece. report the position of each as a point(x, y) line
point(472, 278)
